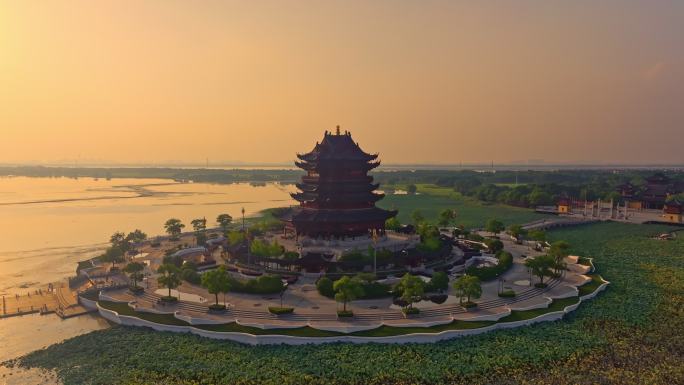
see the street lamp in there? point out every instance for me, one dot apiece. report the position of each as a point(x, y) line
point(243, 219)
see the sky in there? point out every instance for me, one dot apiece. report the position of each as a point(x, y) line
point(167, 81)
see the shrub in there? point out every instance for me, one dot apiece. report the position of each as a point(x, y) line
point(540, 285)
point(167, 298)
point(438, 282)
point(410, 310)
point(290, 255)
point(494, 245)
point(188, 274)
point(375, 290)
point(488, 273)
point(217, 307)
point(266, 284)
point(136, 290)
point(325, 287)
point(439, 298)
point(507, 294)
point(429, 244)
point(469, 305)
point(280, 310)
point(345, 313)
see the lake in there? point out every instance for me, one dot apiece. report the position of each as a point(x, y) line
point(49, 224)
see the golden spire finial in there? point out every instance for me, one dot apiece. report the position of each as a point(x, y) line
point(338, 129)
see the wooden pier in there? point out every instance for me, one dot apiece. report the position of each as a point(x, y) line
point(59, 300)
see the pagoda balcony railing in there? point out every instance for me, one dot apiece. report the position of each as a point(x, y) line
point(333, 179)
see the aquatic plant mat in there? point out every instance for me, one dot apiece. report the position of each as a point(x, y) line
point(626, 335)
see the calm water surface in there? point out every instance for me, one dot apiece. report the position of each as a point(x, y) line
point(48, 224)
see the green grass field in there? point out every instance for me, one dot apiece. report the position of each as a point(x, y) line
point(470, 213)
point(630, 334)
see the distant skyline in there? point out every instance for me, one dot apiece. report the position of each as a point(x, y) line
point(151, 82)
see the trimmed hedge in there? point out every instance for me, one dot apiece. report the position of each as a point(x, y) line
point(280, 310)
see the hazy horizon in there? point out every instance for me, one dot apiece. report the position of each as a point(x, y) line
point(431, 82)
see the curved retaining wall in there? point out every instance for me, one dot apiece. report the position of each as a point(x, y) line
point(291, 340)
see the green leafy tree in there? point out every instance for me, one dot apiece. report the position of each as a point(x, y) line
point(538, 235)
point(346, 290)
point(199, 226)
point(446, 216)
point(112, 255)
point(494, 226)
point(541, 267)
point(494, 245)
point(468, 286)
point(559, 250)
point(236, 238)
point(134, 271)
point(516, 231)
point(136, 236)
point(174, 227)
point(170, 277)
point(325, 287)
point(439, 281)
point(393, 224)
point(118, 240)
point(224, 221)
point(216, 281)
point(417, 217)
point(412, 289)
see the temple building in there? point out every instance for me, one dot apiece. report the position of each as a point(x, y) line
point(673, 211)
point(652, 195)
point(337, 196)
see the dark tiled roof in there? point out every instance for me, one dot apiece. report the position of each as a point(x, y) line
point(337, 147)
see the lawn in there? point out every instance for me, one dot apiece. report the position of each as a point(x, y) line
point(630, 334)
point(430, 200)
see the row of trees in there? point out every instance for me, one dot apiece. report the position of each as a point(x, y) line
point(549, 264)
point(121, 243)
point(410, 289)
point(174, 227)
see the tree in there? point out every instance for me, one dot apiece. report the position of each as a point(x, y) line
point(412, 289)
point(199, 225)
point(494, 226)
point(541, 267)
point(113, 255)
point(516, 231)
point(118, 240)
point(216, 281)
point(346, 290)
point(224, 221)
point(494, 245)
point(325, 287)
point(417, 217)
point(439, 281)
point(170, 277)
point(559, 250)
point(134, 271)
point(538, 235)
point(468, 286)
point(136, 236)
point(411, 189)
point(446, 216)
point(174, 227)
point(392, 224)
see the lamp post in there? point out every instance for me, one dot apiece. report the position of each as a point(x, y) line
point(243, 219)
point(374, 236)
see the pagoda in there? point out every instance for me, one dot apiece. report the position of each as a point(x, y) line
point(337, 196)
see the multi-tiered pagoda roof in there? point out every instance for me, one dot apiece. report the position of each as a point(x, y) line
point(337, 196)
